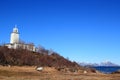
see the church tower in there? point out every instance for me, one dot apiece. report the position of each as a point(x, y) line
point(14, 36)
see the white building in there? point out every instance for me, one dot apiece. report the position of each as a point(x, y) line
point(14, 36)
point(15, 43)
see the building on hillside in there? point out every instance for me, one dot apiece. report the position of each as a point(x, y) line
point(15, 42)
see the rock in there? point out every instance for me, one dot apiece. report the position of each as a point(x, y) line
point(116, 72)
point(39, 68)
point(85, 72)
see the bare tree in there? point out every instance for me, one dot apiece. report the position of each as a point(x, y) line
point(40, 49)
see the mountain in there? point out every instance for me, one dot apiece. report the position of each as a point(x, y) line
point(106, 63)
point(88, 64)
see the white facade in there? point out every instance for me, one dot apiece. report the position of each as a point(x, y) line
point(29, 47)
point(15, 44)
point(14, 36)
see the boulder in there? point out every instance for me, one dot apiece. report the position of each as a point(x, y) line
point(39, 68)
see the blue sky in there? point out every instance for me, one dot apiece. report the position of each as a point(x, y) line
point(82, 30)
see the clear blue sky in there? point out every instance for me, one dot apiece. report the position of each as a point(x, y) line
point(82, 30)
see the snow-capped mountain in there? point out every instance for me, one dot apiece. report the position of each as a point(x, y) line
point(106, 63)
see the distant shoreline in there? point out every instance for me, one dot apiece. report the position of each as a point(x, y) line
point(107, 69)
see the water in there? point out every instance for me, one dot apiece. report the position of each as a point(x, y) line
point(106, 69)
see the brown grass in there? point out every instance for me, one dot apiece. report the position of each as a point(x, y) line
point(49, 73)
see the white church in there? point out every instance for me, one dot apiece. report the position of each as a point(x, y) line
point(16, 44)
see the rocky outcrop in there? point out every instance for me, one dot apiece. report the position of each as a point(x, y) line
point(116, 72)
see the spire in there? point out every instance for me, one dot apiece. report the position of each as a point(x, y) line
point(15, 29)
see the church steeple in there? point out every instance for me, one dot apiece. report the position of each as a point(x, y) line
point(14, 35)
point(15, 29)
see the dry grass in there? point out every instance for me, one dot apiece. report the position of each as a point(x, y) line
point(29, 73)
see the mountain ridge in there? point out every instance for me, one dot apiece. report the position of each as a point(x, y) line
point(106, 63)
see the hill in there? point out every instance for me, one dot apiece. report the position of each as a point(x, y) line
point(20, 57)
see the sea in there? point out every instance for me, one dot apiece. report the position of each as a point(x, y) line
point(107, 69)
